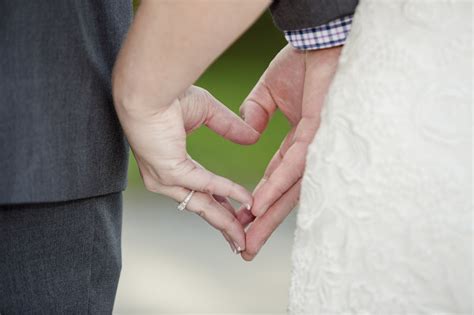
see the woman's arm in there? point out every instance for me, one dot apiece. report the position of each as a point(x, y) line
point(171, 43)
point(169, 46)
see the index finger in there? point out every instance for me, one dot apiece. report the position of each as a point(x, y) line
point(288, 172)
point(197, 178)
point(263, 227)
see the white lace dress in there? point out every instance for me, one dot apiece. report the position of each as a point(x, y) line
point(385, 222)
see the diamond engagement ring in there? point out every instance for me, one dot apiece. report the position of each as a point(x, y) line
point(184, 203)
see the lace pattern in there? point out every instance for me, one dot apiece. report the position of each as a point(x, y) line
point(385, 221)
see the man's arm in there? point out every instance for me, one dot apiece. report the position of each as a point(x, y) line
point(314, 24)
point(300, 97)
point(292, 15)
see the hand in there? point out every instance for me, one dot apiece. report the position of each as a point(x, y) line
point(158, 141)
point(159, 59)
point(296, 83)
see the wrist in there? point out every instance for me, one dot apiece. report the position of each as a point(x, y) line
point(323, 58)
point(134, 101)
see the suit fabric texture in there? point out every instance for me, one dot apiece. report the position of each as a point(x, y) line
point(299, 14)
point(60, 138)
point(63, 156)
point(62, 257)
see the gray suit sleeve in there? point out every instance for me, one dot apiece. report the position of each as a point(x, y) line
point(298, 14)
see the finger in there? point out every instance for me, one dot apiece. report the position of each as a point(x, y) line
point(225, 203)
point(278, 156)
point(212, 211)
point(195, 177)
point(220, 199)
point(229, 241)
point(198, 107)
point(275, 90)
point(263, 227)
point(287, 167)
point(245, 217)
point(288, 172)
point(226, 123)
point(258, 107)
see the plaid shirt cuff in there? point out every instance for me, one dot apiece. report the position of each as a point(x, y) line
point(328, 35)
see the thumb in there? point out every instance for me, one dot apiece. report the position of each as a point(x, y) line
point(258, 107)
point(219, 118)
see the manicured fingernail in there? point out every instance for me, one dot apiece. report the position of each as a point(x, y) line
point(238, 248)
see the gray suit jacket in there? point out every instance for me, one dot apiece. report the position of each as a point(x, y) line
point(298, 14)
point(59, 135)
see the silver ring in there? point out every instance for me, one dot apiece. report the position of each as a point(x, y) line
point(185, 202)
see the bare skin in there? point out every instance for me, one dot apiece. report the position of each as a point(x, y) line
point(158, 107)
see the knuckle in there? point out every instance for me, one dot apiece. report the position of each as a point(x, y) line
point(209, 186)
point(201, 213)
point(209, 204)
point(233, 189)
point(202, 210)
point(227, 131)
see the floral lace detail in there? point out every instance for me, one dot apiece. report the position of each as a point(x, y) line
point(385, 222)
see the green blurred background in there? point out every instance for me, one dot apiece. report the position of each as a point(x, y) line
point(230, 79)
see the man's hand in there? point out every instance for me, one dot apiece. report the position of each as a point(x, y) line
point(296, 83)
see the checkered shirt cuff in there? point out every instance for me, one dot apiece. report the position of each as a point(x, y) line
point(328, 35)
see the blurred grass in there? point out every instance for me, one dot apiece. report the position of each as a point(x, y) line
point(230, 79)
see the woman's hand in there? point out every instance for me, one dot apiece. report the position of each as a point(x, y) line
point(169, 45)
point(158, 142)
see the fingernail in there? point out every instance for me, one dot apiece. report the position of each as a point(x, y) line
point(238, 248)
point(248, 206)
